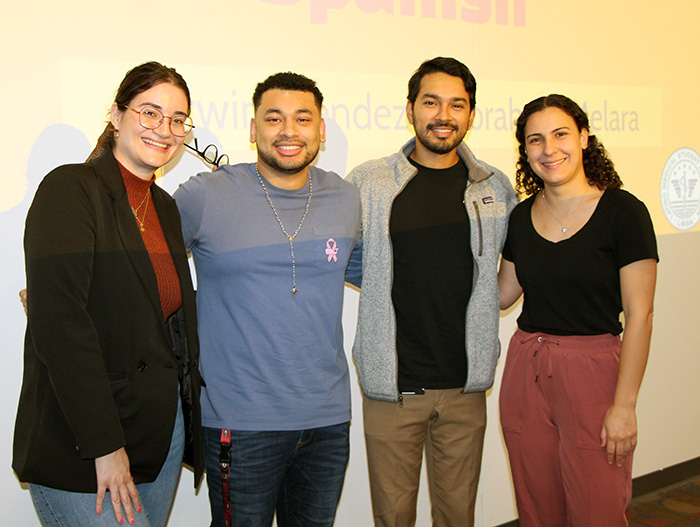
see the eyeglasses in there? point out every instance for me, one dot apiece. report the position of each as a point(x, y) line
point(210, 154)
point(151, 118)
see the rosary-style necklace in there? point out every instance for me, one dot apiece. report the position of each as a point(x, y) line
point(142, 220)
point(284, 231)
point(563, 223)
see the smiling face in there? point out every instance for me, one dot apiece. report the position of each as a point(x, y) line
point(288, 131)
point(441, 117)
point(140, 150)
point(554, 147)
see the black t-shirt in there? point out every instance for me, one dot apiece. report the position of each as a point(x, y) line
point(572, 287)
point(433, 268)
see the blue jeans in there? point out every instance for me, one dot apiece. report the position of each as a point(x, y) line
point(297, 474)
point(60, 508)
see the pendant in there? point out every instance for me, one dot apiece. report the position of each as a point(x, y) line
point(143, 229)
point(563, 229)
point(294, 292)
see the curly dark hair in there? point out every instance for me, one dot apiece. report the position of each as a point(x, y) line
point(598, 167)
point(287, 81)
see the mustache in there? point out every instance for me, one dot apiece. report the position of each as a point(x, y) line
point(294, 142)
point(442, 124)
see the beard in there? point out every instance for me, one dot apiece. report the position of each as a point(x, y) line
point(287, 166)
point(438, 145)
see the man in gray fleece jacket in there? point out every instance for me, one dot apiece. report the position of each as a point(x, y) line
point(434, 221)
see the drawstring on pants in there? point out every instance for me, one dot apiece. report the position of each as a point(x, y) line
point(543, 350)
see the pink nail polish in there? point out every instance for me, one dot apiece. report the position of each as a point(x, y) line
point(139, 509)
point(132, 522)
point(99, 512)
point(121, 521)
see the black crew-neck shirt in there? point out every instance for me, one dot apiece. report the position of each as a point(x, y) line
point(433, 268)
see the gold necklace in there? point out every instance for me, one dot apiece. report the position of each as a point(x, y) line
point(141, 221)
point(290, 238)
point(563, 223)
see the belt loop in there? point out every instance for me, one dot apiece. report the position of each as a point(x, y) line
point(225, 467)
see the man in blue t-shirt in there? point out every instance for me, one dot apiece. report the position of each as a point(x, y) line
point(433, 223)
point(273, 243)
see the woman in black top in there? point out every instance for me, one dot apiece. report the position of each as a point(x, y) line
point(581, 251)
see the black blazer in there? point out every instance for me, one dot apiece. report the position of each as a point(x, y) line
point(99, 368)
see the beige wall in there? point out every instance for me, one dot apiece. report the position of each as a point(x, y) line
point(632, 63)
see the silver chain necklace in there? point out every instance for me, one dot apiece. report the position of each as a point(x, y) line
point(284, 231)
point(563, 223)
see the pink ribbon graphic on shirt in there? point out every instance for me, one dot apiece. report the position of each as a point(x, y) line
point(331, 250)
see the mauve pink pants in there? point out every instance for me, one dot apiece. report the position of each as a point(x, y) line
point(554, 394)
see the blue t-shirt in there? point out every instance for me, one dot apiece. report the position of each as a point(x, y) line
point(270, 360)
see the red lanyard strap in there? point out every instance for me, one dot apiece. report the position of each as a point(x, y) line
point(225, 467)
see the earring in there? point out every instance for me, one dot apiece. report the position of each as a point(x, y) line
point(116, 134)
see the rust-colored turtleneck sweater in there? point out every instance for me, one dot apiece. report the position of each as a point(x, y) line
point(139, 192)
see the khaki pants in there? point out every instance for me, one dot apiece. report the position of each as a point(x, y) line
point(450, 425)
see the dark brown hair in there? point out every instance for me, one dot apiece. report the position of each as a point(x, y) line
point(598, 167)
point(447, 65)
point(138, 80)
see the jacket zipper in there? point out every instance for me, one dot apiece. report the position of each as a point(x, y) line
point(478, 224)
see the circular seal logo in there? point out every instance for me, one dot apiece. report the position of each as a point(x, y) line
point(680, 189)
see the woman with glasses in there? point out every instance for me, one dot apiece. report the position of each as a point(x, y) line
point(582, 251)
point(110, 396)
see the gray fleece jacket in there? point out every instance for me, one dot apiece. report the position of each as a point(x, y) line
point(489, 198)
